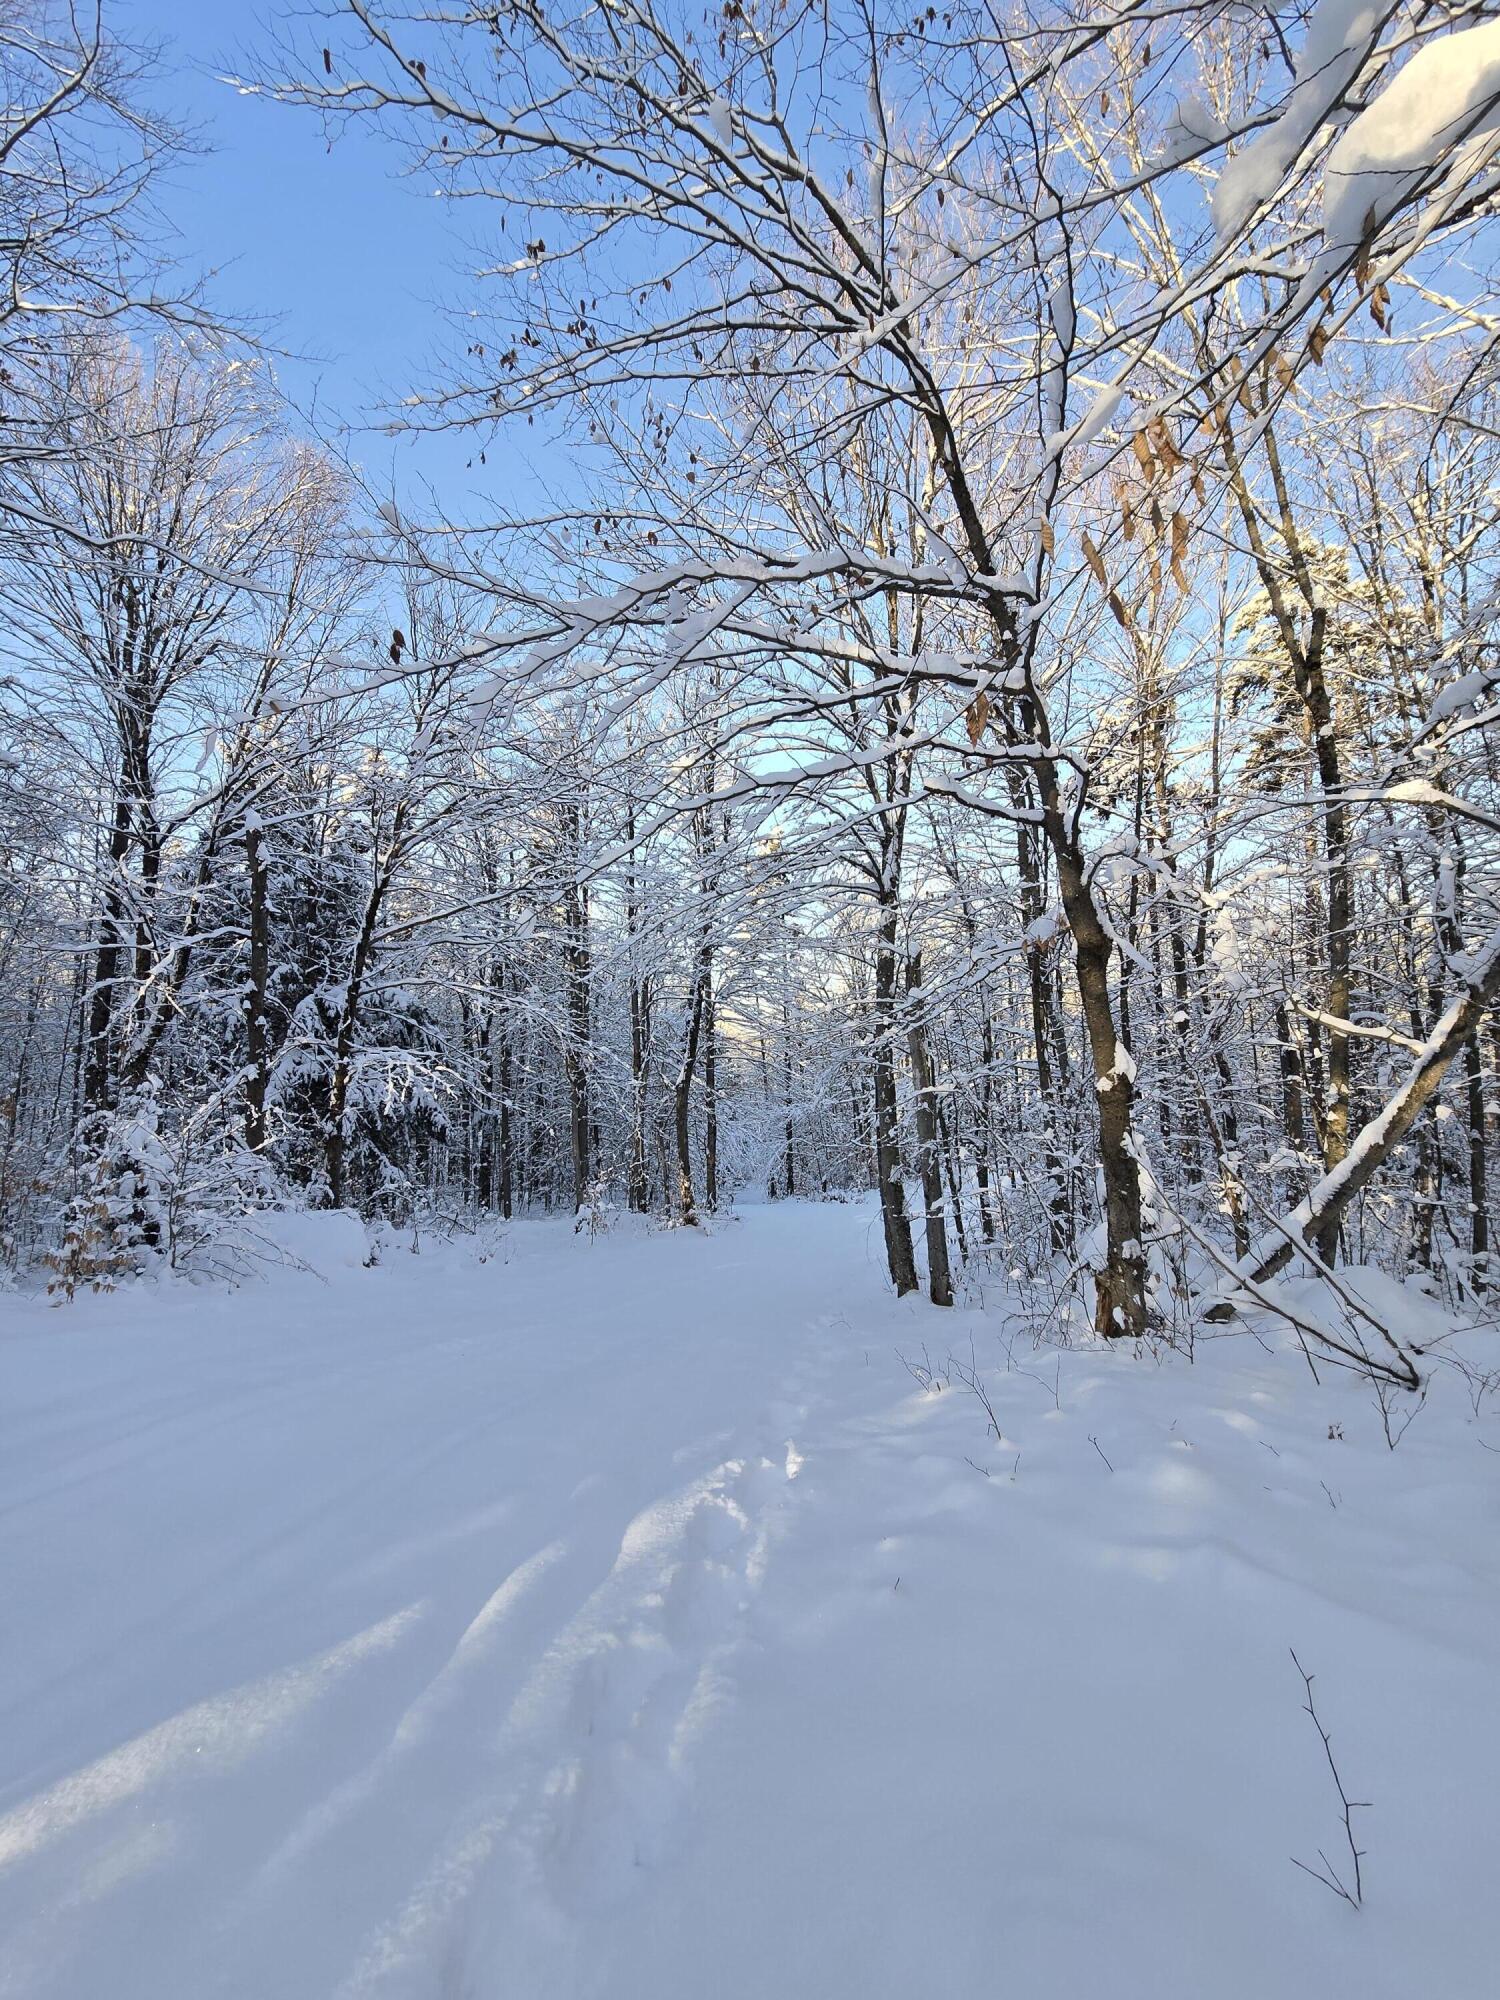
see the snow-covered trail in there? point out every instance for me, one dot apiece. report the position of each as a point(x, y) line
point(305, 1590)
point(619, 1620)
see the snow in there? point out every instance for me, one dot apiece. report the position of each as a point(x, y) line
point(1340, 36)
point(1415, 792)
point(1439, 112)
point(619, 1618)
point(323, 1242)
point(1060, 311)
point(721, 123)
point(1191, 128)
point(1122, 1066)
point(1459, 693)
point(1108, 407)
point(1445, 97)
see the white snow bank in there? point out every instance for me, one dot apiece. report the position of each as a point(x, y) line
point(619, 1620)
point(322, 1241)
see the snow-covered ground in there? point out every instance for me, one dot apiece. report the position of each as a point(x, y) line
point(620, 1618)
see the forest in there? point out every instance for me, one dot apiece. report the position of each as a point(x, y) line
point(1010, 707)
point(957, 688)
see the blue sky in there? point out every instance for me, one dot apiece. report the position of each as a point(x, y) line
point(347, 262)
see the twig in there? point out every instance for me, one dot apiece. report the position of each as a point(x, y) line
point(1055, 1386)
point(924, 1373)
point(968, 1378)
point(1099, 1448)
point(1328, 1875)
point(1385, 1397)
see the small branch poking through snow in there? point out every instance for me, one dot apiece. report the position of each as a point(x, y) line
point(1327, 1874)
point(969, 1378)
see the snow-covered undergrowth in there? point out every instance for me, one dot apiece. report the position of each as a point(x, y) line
point(622, 1618)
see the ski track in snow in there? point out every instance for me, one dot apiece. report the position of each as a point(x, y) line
point(543, 1752)
point(621, 1622)
point(598, 1741)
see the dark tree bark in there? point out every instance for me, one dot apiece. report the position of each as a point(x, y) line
point(929, 1160)
point(687, 1208)
point(506, 1086)
point(577, 955)
point(1479, 1217)
point(900, 1256)
point(710, 1100)
point(98, 1063)
point(257, 1014)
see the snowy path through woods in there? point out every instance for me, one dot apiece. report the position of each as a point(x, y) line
point(620, 1619)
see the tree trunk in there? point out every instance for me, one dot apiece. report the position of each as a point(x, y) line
point(986, 1103)
point(929, 1162)
point(789, 1150)
point(575, 908)
point(900, 1257)
point(1046, 1038)
point(953, 1166)
point(486, 1150)
point(710, 1100)
point(108, 957)
point(1313, 689)
point(1120, 1286)
point(638, 1192)
point(506, 1081)
point(1479, 1217)
point(637, 1175)
point(334, 1137)
point(687, 1211)
point(257, 1016)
